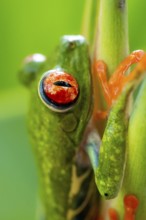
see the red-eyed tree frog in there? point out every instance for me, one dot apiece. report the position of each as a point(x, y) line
point(66, 148)
point(60, 109)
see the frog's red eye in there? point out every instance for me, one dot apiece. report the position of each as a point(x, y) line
point(58, 90)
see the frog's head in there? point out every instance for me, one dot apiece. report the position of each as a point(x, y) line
point(67, 88)
point(65, 91)
point(108, 188)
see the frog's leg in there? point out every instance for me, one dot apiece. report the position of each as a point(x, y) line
point(113, 87)
point(110, 170)
point(101, 70)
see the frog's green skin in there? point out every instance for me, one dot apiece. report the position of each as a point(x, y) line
point(66, 177)
point(110, 170)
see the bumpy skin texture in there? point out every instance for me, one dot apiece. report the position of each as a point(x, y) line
point(109, 173)
point(64, 169)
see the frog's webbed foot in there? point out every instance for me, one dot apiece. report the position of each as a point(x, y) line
point(119, 78)
point(31, 65)
point(130, 204)
point(112, 88)
point(113, 214)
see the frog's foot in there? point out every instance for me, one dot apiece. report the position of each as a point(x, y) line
point(113, 214)
point(119, 79)
point(113, 87)
point(140, 68)
point(99, 115)
point(131, 204)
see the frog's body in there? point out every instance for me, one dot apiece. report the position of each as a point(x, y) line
point(65, 147)
point(66, 176)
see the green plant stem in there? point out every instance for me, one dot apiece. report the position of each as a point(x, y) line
point(90, 19)
point(111, 44)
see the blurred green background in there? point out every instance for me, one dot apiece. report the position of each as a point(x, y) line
point(28, 27)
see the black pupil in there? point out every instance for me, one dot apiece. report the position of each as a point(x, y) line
point(62, 83)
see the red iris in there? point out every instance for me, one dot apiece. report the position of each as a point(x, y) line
point(60, 87)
